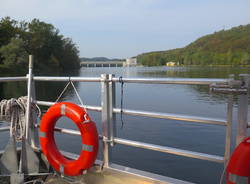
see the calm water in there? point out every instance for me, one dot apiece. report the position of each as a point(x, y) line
point(179, 99)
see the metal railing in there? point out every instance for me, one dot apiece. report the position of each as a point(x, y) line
point(108, 113)
point(108, 110)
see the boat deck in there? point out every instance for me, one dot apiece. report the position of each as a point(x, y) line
point(115, 175)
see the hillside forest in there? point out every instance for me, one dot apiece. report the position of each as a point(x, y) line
point(225, 47)
point(52, 51)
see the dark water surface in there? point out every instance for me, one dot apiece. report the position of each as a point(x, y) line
point(179, 99)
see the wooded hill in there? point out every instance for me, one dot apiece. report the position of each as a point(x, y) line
point(52, 52)
point(226, 47)
point(99, 59)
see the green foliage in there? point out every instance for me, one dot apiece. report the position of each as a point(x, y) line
point(230, 47)
point(8, 29)
point(52, 51)
point(14, 53)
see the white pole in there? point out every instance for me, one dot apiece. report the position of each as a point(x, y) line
point(30, 76)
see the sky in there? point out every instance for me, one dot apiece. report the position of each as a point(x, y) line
point(126, 28)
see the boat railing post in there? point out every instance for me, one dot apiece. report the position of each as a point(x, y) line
point(29, 90)
point(228, 140)
point(29, 162)
point(242, 109)
point(34, 139)
point(112, 104)
point(108, 127)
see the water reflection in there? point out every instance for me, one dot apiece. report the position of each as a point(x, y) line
point(48, 91)
point(199, 72)
point(195, 72)
point(12, 90)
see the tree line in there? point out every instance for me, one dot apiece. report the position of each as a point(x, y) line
point(226, 47)
point(52, 51)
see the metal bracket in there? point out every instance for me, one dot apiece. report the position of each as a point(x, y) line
point(105, 139)
point(29, 159)
point(9, 161)
point(16, 178)
point(236, 87)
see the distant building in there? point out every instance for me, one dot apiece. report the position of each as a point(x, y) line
point(170, 63)
point(130, 62)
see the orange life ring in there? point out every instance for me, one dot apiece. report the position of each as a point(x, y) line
point(88, 133)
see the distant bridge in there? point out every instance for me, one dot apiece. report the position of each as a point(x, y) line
point(103, 63)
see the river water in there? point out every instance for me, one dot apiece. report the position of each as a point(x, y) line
point(179, 99)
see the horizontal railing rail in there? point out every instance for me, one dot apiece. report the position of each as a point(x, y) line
point(13, 79)
point(159, 115)
point(170, 150)
point(192, 81)
point(73, 79)
point(3, 129)
point(88, 107)
point(170, 116)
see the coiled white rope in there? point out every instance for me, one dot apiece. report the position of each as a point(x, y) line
point(13, 111)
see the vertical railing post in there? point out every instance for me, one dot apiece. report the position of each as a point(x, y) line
point(29, 90)
point(29, 162)
point(34, 139)
point(242, 110)
point(229, 125)
point(108, 125)
point(112, 104)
